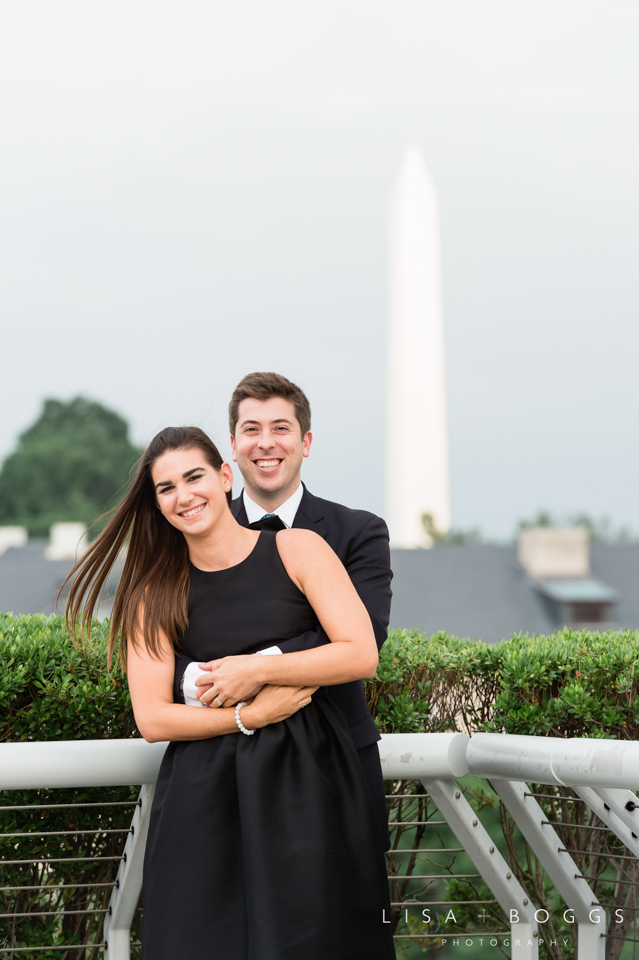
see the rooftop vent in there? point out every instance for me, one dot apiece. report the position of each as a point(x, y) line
point(584, 602)
point(558, 562)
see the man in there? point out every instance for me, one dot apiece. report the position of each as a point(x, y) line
point(270, 421)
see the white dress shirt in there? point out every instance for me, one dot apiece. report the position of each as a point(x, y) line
point(286, 512)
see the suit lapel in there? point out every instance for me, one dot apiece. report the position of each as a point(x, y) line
point(239, 511)
point(310, 514)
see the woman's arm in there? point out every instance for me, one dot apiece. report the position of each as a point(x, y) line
point(352, 653)
point(158, 718)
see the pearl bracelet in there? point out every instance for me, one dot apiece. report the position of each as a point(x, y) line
point(249, 733)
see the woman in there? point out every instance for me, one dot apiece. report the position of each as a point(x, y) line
point(263, 843)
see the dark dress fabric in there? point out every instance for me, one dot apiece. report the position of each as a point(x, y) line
point(360, 540)
point(263, 847)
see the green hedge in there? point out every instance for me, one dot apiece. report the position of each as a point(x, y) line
point(53, 689)
point(569, 684)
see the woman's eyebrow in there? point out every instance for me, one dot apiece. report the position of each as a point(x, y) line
point(185, 476)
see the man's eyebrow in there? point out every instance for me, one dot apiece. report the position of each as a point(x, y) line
point(185, 476)
point(245, 423)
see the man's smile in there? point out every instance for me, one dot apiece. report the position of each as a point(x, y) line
point(267, 464)
point(192, 511)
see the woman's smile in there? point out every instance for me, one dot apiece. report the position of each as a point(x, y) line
point(192, 511)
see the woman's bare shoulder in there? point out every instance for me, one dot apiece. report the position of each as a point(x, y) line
point(294, 535)
point(301, 543)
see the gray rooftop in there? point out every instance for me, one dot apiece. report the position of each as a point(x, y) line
point(470, 591)
point(482, 591)
point(28, 582)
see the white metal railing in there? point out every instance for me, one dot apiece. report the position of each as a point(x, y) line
point(437, 759)
point(601, 772)
point(96, 763)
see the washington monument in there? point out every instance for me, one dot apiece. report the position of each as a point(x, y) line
point(417, 472)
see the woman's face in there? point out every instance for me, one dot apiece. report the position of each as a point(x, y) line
point(189, 491)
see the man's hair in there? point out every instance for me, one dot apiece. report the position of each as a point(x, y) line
point(264, 386)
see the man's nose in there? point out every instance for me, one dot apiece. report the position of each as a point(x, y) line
point(267, 441)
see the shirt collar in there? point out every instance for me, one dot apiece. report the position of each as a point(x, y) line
point(286, 511)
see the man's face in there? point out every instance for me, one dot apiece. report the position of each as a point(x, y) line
point(269, 448)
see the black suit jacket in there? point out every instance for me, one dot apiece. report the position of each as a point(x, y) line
point(360, 540)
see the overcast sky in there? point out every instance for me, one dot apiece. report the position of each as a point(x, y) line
point(190, 191)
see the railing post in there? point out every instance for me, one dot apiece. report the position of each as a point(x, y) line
point(560, 867)
point(613, 807)
point(128, 885)
point(477, 843)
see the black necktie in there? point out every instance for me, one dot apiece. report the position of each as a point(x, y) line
point(270, 521)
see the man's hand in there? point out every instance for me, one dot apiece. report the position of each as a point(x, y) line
point(228, 680)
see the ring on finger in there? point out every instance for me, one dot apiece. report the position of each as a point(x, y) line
point(219, 702)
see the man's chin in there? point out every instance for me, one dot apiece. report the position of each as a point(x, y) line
point(270, 483)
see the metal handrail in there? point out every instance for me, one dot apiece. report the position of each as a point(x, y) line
point(601, 773)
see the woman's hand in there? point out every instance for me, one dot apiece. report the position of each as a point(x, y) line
point(274, 703)
point(229, 679)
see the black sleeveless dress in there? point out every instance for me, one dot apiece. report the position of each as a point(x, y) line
point(263, 847)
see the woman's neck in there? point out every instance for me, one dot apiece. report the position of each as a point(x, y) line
point(226, 545)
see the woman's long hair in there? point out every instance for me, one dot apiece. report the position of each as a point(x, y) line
point(156, 569)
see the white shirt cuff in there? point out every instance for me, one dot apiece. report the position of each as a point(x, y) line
point(188, 687)
point(192, 672)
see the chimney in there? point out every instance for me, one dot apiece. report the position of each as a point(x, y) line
point(67, 541)
point(12, 537)
point(555, 552)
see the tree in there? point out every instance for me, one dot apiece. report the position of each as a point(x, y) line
point(456, 536)
point(71, 465)
point(600, 529)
